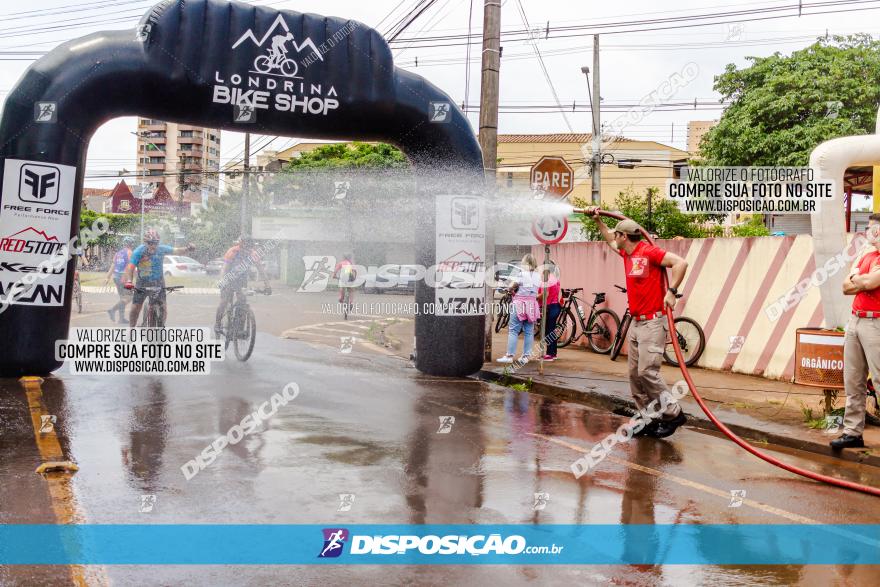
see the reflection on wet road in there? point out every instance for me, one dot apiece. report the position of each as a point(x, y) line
point(370, 440)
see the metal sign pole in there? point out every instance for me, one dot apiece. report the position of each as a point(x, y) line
point(545, 284)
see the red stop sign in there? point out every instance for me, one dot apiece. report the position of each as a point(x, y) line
point(552, 175)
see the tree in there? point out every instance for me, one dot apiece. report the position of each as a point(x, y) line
point(754, 226)
point(782, 107)
point(350, 156)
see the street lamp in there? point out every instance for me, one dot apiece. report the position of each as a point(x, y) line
point(143, 193)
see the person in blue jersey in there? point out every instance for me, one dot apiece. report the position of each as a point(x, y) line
point(148, 259)
point(116, 273)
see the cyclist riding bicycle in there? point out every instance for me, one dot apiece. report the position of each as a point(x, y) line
point(279, 50)
point(116, 273)
point(346, 273)
point(148, 259)
point(234, 276)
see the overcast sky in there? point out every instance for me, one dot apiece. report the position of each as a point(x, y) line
point(632, 64)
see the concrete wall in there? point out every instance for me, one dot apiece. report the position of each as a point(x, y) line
point(729, 284)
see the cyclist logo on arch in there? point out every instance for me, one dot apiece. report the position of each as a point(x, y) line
point(277, 59)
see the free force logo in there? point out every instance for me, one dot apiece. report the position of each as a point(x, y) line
point(39, 184)
point(465, 214)
point(334, 541)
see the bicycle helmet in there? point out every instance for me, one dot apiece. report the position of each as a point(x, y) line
point(151, 236)
point(127, 242)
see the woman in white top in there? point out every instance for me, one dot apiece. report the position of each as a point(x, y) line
point(524, 310)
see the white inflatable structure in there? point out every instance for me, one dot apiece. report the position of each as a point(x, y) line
point(830, 160)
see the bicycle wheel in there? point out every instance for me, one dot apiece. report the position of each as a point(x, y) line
point(602, 331)
point(346, 302)
point(503, 317)
point(567, 328)
point(152, 317)
point(227, 326)
point(620, 337)
point(289, 67)
point(263, 64)
point(77, 296)
point(245, 335)
point(691, 340)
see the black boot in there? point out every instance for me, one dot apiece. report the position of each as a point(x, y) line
point(847, 441)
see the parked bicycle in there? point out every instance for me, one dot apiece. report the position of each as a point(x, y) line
point(600, 328)
point(154, 313)
point(690, 336)
point(503, 318)
point(239, 325)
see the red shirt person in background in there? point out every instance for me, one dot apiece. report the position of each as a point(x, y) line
point(554, 308)
point(648, 296)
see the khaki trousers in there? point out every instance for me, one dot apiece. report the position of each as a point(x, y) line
point(647, 339)
point(861, 354)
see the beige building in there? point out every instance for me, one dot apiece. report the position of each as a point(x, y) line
point(626, 163)
point(165, 149)
point(696, 130)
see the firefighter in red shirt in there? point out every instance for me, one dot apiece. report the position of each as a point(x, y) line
point(644, 264)
point(861, 344)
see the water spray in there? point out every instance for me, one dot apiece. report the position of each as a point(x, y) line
point(724, 429)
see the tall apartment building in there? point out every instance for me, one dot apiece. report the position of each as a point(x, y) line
point(166, 148)
point(696, 130)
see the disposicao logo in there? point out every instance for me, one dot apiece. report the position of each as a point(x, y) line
point(334, 540)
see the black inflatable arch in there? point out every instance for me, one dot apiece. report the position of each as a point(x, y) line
point(170, 69)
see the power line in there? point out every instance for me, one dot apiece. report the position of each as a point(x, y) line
point(537, 51)
point(556, 32)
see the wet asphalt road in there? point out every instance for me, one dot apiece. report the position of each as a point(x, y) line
point(367, 425)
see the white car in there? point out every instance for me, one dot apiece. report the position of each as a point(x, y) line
point(177, 266)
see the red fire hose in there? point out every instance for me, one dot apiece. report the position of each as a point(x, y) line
point(727, 432)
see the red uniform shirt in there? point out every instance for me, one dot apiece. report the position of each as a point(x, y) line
point(644, 278)
point(868, 301)
point(553, 288)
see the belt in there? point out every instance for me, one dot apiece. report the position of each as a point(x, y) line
point(643, 317)
point(865, 314)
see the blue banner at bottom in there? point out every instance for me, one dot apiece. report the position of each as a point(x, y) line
point(523, 544)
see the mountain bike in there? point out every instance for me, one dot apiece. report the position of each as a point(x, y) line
point(346, 302)
point(600, 328)
point(503, 318)
point(690, 336)
point(239, 326)
point(279, 61)
point(153, 312)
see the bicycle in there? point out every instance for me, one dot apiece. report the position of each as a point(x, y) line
point(600, 328)
point(153, 313)
point(239, 325)
point(346, 302)
point(690, 337)
point(503, 309)
point(77, 296)
point(279, 61)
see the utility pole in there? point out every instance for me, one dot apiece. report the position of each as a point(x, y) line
point(489, 83)
point(181, 177)
point(489, 86)
point(597, 127)
point(246, 185)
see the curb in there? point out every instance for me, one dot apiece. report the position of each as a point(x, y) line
point(595, 399)
point(192, 291)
